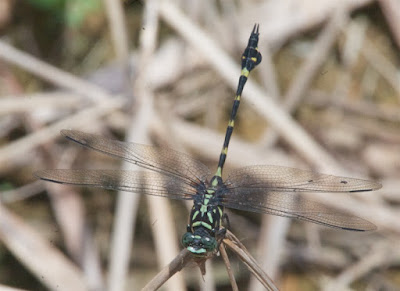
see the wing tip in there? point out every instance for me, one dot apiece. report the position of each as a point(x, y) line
point(373, 187)
point(367, 228)
point(377, 186)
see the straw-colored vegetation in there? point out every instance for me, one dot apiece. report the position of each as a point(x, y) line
point(325, 97)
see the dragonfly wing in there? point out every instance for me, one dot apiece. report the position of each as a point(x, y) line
point(162, 160)
point(276, 190)
point(142, 182)
point(292, 205)
point(275, 178)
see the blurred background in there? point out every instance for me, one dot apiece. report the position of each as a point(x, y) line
point(326, 97)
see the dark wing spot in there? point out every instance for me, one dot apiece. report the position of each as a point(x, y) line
point(343, 182)
point(109, 182)
point(310, 181)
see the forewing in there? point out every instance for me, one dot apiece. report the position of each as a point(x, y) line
point(142, 182)
point(275, 178)
point(162, 160)
point(292, 205)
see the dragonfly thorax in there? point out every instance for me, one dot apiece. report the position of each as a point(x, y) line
point(205, 219)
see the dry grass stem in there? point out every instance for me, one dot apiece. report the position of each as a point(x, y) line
point(30, 103)
point(332, 70)
point(228, 266)
point(45, 261)
point(12, 151)
point(21, 193)
point(240, 250)
point(175, 266)
point(50, 73)
point(391, 9)
point(127, 204)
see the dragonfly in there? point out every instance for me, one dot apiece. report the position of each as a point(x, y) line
point(168, 173)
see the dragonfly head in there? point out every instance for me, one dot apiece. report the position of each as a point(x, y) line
point(199, 244)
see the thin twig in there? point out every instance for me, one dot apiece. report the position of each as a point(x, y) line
point(116, 20)
point(237, 247)
point(382, 65)
point(228, 267)
point(31, 102)
point(104, 102)
point(315, 59)
point(51, 73)
point(176, 265)
point(127, 204)
point(164, 233)
point(271, 245)
point(379, 256)
point(307, 72)
point(391, 10)
point(12, 151)
point(22, 193)
point(43, 259)
point(361, 108)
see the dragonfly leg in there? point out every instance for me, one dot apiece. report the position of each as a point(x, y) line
point(220, 234)
point(225, 219)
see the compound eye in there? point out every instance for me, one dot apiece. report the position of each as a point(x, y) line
point(187, 239)
point(209, 243)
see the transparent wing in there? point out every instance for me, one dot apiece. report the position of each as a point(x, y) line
point(162, 160)
point(294, 206)
point(275, 190)
point(275, 178)
point(142, 182)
